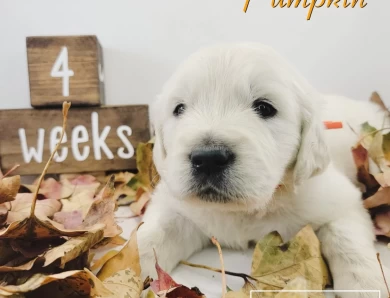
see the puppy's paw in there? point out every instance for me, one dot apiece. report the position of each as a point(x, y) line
point(361, 283)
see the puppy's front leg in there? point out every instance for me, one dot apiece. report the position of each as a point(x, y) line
point(348, 245)
point(173, 237)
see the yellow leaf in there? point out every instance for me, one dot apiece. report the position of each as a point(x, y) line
point(9, 187)
point(100, 262)
point(128, 257)
point(275, 263)
point(125, 283)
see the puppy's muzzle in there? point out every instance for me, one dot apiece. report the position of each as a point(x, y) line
point(211, 160)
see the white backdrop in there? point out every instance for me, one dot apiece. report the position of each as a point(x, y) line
point(344, 51)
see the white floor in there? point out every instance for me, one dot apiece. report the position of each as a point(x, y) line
point(210, 282)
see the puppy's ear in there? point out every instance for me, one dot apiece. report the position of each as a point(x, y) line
point(156, 119)
point(313, 156)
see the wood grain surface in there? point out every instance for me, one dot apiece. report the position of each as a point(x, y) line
point(85, 59)
point(31, 120)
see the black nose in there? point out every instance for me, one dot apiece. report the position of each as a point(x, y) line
point(211, 160)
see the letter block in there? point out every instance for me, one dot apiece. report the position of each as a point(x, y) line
point(65, 68)
point(96, 139)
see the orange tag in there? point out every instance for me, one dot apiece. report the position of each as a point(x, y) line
point(333, 125)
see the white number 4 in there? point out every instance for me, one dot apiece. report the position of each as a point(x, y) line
point(65, 72)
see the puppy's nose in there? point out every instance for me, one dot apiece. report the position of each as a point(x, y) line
point(211, 161)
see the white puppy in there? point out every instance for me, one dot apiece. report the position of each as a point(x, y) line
point(242, 151)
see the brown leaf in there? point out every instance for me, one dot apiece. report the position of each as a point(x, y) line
point(102, 211)
point(128, 257)
point(139, 206)
point(9, 187)
point(74, 247)
point(77, 279)
point(124, 283)
point(382, 224)
point(183, 291)
point(21, 207)
point(4, 209)
point(81, 201)
point(69, 219)
point(52, 189)
point(375, 98)
point(100, 262)
point(147, 175)
point(381, 197)
point(383, 178)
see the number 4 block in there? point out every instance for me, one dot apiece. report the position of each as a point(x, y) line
point(65, 68)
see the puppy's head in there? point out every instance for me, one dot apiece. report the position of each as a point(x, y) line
point(235, 122)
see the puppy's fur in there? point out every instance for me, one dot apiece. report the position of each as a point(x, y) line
point(282, 178)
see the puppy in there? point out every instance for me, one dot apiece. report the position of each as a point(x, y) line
point(241, 150)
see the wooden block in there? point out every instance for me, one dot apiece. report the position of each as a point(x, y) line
point(65, 68)
point(97, 139)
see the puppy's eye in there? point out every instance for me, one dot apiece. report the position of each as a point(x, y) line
point(264, 108)
point(180, 108)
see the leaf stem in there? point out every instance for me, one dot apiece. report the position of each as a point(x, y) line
point(378, 256)
point(242, 275)
point(216, 243)
point(65, 109)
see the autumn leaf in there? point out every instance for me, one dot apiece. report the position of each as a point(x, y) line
point(381, 197)
point(141, 200)
point(360, 156)
point(74, 247)
point(382, 224)
point(78, 277)
point(274, 263)
point(166, 287)
point(128, 257)
point(100, 262)
point(81, 202)
point(102, 211)
point(69, 219)
point(124, 283)
point(375, 98)
point(147, 175)
point(9, 187)
point(21, 207)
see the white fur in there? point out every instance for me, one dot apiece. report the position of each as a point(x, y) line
point(218, 86)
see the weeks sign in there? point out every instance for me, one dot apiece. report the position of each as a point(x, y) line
point(97, 139)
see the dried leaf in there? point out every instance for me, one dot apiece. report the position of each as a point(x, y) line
point(147, 175)
point(74, 247)
point(97, 287)
point(375, 98)
point(382, 224)
point(139, 206)
point(52, 189)
point(77, 279)
point(118, 240)
point(164, 283)
point(128, 257)
point(82, 201)
point(100, 262)
point(102, 211)
point(381, 197)
point(9, 187)
point(360, 156)
point(383, 178)
point(274, 263)
point(69, 219)
point(367, 133)
point(297, 284)
point(386, 146)
point(21, 207)
point(125, 283)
